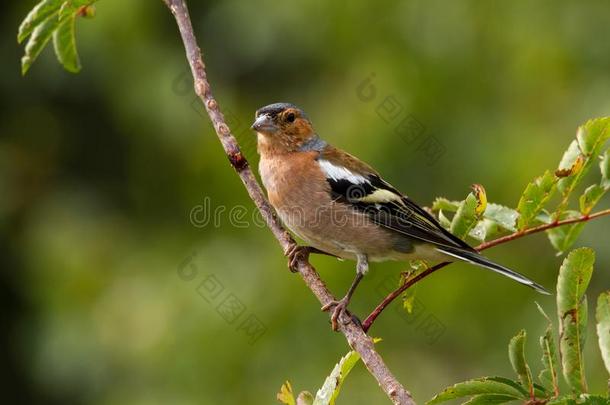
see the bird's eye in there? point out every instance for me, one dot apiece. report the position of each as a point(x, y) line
point(290, 117)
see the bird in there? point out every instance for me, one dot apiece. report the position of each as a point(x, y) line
point(342, 207)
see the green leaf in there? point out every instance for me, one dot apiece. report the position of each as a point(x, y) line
point(484, 229)
point(503, 216)
point(489, 399)
point(285, 395)
point(534, 198)
point(548, 375)
point(465, 218)
point(332, 385)
point(574, 276)
point(495, 219)
point(443, 220)
point(442, 203)
point(571, 161)
point(516, 354)
point(64, 42)
point(563, 237)
point(602, 315)
point(592, 135)
point(40, 13)
point(540, 391)
point(481, 386)
point(39, 39)
point(587, 399)
point(544, 217)
point(584, 399)
point(604, 166)
point(562, 401)
point(590, 139)
point(57, 19)
point(590, 198)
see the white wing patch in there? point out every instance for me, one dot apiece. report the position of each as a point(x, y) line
point(341, 173)
point(381, 196)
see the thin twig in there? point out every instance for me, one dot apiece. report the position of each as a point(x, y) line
point(368, 322)
point(356, 337)
point(540, 228)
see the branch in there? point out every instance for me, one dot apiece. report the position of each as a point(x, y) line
point(356, 337)
point(540, 228)
point(519, 234)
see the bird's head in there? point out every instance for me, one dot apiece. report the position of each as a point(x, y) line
point(283, 125)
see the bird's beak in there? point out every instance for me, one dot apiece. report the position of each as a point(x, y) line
point(264, 123)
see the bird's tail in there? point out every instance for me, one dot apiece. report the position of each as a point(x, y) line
point(477, 259)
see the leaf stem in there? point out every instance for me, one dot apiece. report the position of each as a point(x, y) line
point(368, 322)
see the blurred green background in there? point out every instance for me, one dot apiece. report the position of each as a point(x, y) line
point(102, 298)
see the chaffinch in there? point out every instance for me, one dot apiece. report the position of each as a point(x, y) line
point(341, 206)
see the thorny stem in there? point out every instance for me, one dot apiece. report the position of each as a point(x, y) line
point(516, 235)
point(356, 337)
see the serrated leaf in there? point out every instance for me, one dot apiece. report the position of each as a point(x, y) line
point(481, 386)
point(574, 276)
point(41, 12)
point(285, 395)
point(444, 204)
point(489, 399)
point(465, 218)
point(534, 198)
point(571, 162)
point(516, 354)
point(503, 216)
point(592, 135)
point(563, 237)
point(548, 375)
point(484, 229)
point(562, 401)
point(602, 315)
point(39, 39)
point(590, 139)
point(604, 166)
point(64, 42)
point(57, 19)
point(572, 159)
point(586, 399)
point(332, 385)
point(590, 198)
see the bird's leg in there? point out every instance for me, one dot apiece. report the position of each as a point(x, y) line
point(341, 306)
point(296, 253)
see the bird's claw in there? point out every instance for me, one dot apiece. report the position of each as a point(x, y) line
point(296, 253)
point(338, 308)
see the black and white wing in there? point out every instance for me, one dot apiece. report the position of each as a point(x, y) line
point(355, 183)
